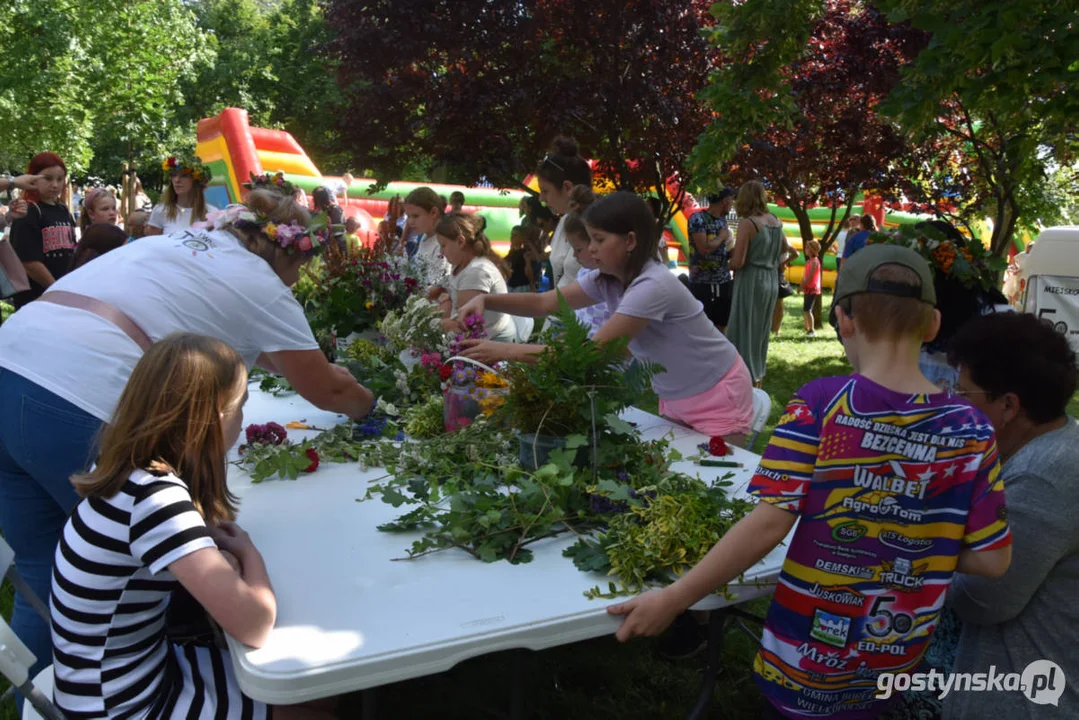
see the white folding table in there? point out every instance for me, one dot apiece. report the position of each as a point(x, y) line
point(351, 618)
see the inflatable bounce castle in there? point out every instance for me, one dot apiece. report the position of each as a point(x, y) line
point(234, 150)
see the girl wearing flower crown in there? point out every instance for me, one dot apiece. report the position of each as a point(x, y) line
point(184, 201)
point(156, 511)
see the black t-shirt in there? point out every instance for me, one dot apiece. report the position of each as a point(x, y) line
point(46, 235)
point(518, 276)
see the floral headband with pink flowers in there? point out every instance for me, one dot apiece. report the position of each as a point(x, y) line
point(293, 237)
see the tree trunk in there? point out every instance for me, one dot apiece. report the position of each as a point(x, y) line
point(805, 227)
point(1004, 222)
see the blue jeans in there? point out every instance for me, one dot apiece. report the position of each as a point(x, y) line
point(44, 440)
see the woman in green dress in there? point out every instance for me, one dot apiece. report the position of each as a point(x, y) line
point(759, 248)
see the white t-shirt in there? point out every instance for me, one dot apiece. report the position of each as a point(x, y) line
point(564, 266)
point(483, 275)
point(429, 256)
point(199, 281)
point(159, 218)
point(840, 243)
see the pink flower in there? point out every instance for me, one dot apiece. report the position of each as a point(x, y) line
point(305, 244)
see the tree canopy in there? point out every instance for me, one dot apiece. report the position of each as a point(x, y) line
point(984, 103)
point(833, 142)
point(126, 80)
point(481, 88)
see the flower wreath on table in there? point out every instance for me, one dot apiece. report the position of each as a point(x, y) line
point(268, 181)
point(293, 237)
point(187, 165)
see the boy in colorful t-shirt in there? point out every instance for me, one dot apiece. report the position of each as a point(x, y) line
point(896, 486)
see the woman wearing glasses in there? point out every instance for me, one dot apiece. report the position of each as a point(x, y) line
point(1021, 373)
point(558, 173)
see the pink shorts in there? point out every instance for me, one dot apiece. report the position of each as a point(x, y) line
point(724, 409)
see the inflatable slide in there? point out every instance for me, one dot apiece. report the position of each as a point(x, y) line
point(234, 150)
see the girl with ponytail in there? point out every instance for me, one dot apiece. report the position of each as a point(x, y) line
point(558, 173)
point(476, 269)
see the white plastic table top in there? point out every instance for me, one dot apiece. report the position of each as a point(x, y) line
point(349, 618)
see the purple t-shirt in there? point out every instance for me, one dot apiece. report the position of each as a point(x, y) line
point(679, 336)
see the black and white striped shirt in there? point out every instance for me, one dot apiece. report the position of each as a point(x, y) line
point(110, 592)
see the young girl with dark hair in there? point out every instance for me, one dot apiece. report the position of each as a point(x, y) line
point(324, 201)
point(522, 277)
point(98, 239)
point(558, 173)
point(476, 270)
point(705, 384)
point(44, 239)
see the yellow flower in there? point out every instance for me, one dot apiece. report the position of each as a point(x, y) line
point(271, 230)
point(368, 304)
point(491, 403)
point(490, 380)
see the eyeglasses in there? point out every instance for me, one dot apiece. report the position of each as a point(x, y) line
point(965, 393)
point(548, 158)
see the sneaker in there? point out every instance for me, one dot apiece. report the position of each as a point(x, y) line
point(685, 638)
point(811, 333)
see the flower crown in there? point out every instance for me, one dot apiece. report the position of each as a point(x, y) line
point(969, 262)
point(293, 237)
point(190, 165)
point(275, 182)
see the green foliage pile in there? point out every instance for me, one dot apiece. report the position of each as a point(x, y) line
point(573, 382)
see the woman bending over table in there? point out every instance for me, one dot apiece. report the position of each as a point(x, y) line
point(64, 359)
point(705, 384)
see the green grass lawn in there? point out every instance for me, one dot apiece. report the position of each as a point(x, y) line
point(601, 679)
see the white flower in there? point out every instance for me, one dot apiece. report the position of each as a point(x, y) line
point(387, 408)
point(932, 244)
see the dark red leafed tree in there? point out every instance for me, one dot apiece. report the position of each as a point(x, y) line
point(836, 144)
point(481, 88)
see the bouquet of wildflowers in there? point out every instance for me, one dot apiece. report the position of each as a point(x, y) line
point(469, 390)
point(355, 294)
point(416, 327)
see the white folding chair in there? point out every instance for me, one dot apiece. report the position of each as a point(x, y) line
point(524, 327)
point(16, 659)
point(762, 407)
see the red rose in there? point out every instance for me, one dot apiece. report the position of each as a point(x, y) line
point(717, 446)
point(444, 372)
point(312, 455)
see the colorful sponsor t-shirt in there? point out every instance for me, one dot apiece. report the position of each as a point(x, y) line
point(889, 488)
